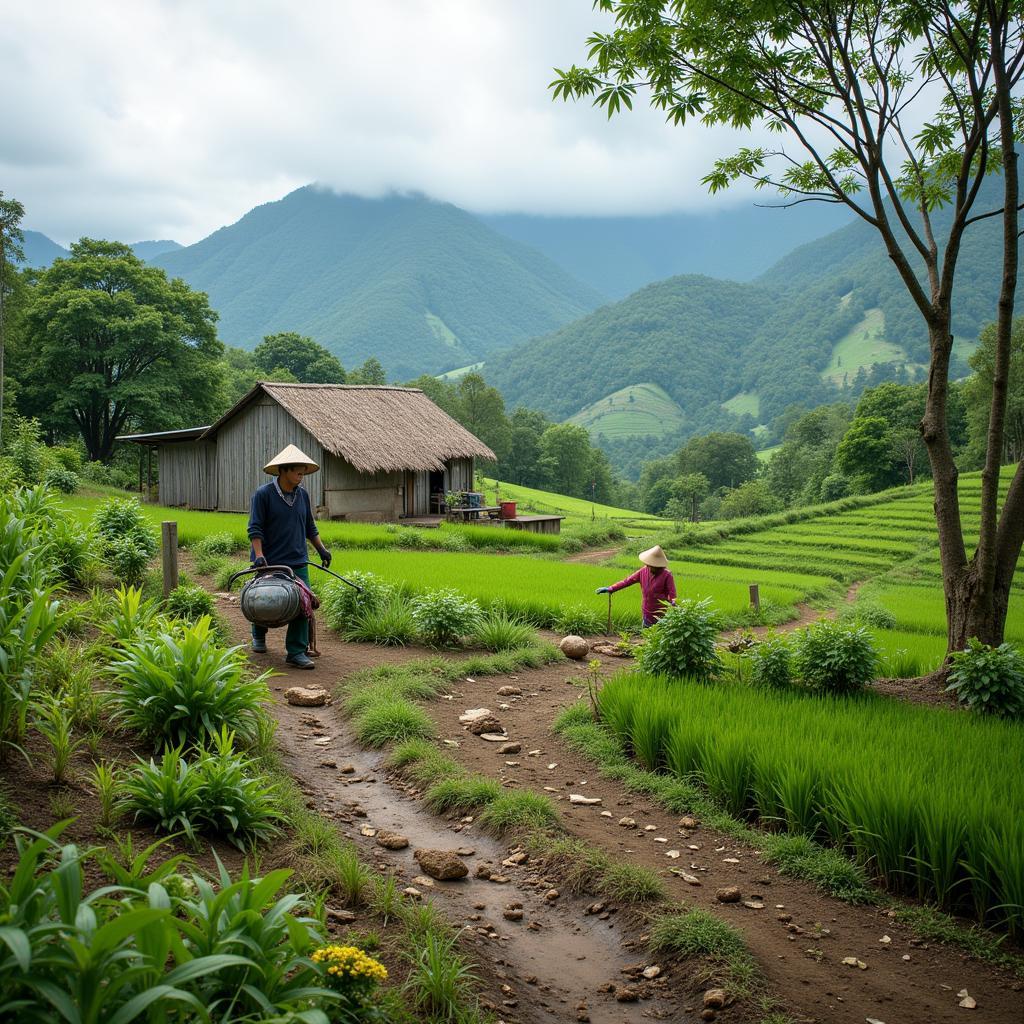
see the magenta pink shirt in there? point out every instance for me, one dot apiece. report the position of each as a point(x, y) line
point(657, 591)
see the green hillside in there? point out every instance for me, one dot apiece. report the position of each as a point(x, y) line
point(864, 345)
point(746, 403)
point(640, 410)
point(421, 285)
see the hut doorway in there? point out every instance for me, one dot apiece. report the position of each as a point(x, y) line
point(436, 488)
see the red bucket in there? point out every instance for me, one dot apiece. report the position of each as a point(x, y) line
point(508, 510)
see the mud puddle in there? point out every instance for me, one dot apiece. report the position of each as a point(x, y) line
point(552, 962)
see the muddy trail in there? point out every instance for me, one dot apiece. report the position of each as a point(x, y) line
point(554, 963)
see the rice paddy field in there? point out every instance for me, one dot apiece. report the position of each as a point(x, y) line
point(925, 799)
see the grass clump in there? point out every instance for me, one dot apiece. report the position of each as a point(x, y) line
point(419, 761)
point(462, 795)
point(511, 811)
point(499, 631)
point(389, 721)
point(389, 624)
point(631, 883)
point(799, 857)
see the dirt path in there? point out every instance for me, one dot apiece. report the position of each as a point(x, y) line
point(593, 557)
point(550, 965)
point(799, 937)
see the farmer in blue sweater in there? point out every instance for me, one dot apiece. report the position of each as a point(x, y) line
point(280, 523)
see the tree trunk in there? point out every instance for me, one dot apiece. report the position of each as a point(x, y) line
point(973, 610)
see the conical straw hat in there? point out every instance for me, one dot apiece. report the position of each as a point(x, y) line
point(290, 456)
point(654, 557)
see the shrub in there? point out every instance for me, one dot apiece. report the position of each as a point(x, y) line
point(443, 617)
point(127, 541)
point(129, 617)
point(835, 658)
point(682, 642)
point(989, 679)
point(71, 550)
point(217, 544)
point(60, 479)
point(182, 688)
point(189, 601)
point(579, 619)
point(770, 662)
point(25, 449)
point(499, 631)
point(341, 604)
point(835, 487)
point(67, 458)
point(219, 793)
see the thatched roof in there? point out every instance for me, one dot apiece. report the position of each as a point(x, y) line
point(375, 429)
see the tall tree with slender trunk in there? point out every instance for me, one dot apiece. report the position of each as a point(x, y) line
point(11, 237)
point(896, 110)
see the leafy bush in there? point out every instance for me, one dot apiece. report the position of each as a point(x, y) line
point(72, 551)
point(835, 658)
point(499, 631)
point(189, 601)
point(340, 604)
point(770, 662)
point(217, 544)
point(60, 479)
point(180, 688)
point(127, 541)
point(578, 619)
point(67, 458)
point(218, 793)
point(682, 642)
point(989, 679)
point(129, 617)
point(237, 950)
point(26, 450)
point(443, 617)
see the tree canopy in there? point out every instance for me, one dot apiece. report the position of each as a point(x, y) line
point(307, 361)
point(111, 346)
point(897, 111)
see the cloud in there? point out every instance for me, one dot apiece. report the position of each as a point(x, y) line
point(170, 119)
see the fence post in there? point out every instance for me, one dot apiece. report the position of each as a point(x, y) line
point(755, 597)
point(169, 538)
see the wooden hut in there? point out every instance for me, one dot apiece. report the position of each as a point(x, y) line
point(384, 452)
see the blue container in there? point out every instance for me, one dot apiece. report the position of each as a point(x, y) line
point(474, 499)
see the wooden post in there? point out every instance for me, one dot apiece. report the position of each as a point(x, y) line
point(149, 474)
point(169, 537)
point(608, 632)
point(755, 597)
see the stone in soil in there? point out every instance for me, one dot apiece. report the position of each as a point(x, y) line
point(306, 696)
point(441, 864)
point(391, 840)
point(627, 994)
point(510, 691)
point(587, 801)
point(729, 894)
point(574, 647)
point(510, 748)
point(487, 724)
point(472, 715)
point(714, 999)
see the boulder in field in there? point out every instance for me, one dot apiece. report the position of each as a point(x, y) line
point(574, 647)
point(441, 864)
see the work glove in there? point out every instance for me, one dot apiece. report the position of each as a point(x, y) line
point(259, 563)
point(603, 590)
point(325, 558)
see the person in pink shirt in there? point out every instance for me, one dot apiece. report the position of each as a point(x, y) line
point(657, 587)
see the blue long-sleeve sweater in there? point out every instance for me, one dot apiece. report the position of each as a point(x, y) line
point(283, 528)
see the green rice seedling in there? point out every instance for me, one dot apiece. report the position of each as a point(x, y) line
point(833, 658)
point(631, 884)
point(647, 734)
point(462, 795)
point(184, 688)
point(443, 617)
point(682, 642)
point(106, 780)
point(726, 772)
point(989, 679)
point(54, 724)
point(499, 631)
point(902, 664)
point(390, 625)
point(518, 811)
point(390, 721)
point(439, 978)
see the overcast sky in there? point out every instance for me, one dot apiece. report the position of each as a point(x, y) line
point(147, 119)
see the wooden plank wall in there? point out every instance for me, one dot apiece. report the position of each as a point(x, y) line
point(459, 475)
point(249, 441)
point(363, 497)
point(188, 474)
